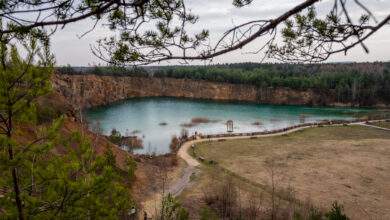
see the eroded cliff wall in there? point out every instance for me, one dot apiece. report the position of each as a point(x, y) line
point(85, 91)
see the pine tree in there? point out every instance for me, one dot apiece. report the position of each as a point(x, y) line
point(35, 182)
point(172, 210)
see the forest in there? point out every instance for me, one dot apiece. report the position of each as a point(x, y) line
point(350, 81)
point(102, 71)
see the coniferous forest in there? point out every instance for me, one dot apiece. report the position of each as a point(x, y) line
point(350, 81)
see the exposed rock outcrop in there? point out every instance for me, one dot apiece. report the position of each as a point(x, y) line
point(85, 91)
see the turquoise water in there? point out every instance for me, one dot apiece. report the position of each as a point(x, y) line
point(145, 114)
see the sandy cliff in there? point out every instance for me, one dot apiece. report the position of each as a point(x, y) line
point(91, 90)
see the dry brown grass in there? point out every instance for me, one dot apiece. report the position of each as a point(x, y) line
point(348, 164)
point(132, 142)
point(198, 120)
point(383, 124)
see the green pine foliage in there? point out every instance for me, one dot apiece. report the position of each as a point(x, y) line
point(315, 214)
point(35, 182)
point(172, 210)
point(132, 166)
point(336, 212)
point(115, 136)
point(207, 214)
point(45, 113)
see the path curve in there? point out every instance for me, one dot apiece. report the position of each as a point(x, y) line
point(185, 180)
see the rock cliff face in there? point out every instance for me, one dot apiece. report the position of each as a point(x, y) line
point(85, 91)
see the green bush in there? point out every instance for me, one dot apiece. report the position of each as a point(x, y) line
point(207, 214)
point(336, 212)
point(115, 136)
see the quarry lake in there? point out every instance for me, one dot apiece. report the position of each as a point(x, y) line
point(142, 117)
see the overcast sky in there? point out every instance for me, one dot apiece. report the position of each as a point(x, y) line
point(217, 16)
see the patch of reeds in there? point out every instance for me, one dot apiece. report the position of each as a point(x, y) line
point(257, 123)
point(174, 143)
point(304, 115)
point(135, 132)
point(198, 120)
point(364, 118)
point(132, 142)
point(188, 125)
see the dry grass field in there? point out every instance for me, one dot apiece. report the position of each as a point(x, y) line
point(348, 164)
point(383, 124)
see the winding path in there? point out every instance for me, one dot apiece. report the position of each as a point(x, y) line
point(185, 180)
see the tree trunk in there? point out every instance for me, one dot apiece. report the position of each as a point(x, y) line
point(18, 201)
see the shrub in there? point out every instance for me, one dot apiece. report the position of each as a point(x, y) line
point(227, 198)
point(174, 143)
point(115, 136)
point(314, 214)
point(132, 166)
point(184, 133)
point(336, 212)
point(172, 210)
point(207, 214)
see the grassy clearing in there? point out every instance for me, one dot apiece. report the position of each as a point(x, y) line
point(349, 164)
point(383, 124)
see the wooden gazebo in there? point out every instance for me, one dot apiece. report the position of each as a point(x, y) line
point(229, 126)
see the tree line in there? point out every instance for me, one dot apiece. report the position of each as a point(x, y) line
point(351, 82)
point(103, 71)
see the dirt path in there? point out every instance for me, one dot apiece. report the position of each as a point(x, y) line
point(184, 181)
point(183, 152)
